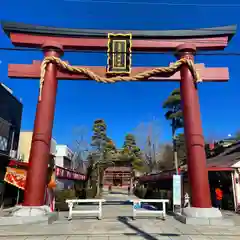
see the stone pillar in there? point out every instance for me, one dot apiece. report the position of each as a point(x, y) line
point(42, 134)
point(196, 158)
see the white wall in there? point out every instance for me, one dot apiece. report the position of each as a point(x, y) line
point(59, 161)
point(64, 151)
point(236, 189)
point(53, 148)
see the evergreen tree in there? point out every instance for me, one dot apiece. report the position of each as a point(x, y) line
point(98, 161)
point(99, 138)
point(181, 148)
point(100, 141)
point(132, 153)
point(175, 115)
point(237, 135)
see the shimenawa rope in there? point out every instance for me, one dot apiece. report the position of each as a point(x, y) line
point(173, 68)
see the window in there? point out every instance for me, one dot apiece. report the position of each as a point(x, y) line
point(67, 163)
point(3, 143)
point(4, 134)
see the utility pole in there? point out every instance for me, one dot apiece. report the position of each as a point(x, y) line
point(154, 153)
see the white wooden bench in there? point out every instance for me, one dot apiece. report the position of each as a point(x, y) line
point(72, 211)
point(140, 211)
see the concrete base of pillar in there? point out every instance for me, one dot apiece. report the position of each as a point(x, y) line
point(203, 216)
point(29, 215)
point(201, 212)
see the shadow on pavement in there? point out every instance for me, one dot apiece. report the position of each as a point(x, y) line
point(140, 232)
point(117, 202)
point(116, 192)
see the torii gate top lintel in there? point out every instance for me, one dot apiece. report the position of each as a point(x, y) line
point(34, 36)
point(27, 35)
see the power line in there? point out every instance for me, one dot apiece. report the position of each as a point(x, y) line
point(157, 3)
point(199, 53)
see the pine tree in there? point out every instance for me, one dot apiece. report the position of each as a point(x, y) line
point(175, 115)
point(102, 146)
point(181, 148)
point(100, 141)
point(132, 153)
point(99, 138)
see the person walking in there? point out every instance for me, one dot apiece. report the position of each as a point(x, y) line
point(110, 188)
point(186, 200)
point(128, 190)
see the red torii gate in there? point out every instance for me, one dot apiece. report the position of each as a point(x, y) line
point(183, 42)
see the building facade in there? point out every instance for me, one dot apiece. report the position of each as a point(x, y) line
point(25, 141)
point(10, 121)
point(117, 176)
point(64, 156)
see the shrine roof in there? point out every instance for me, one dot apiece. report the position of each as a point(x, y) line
point(227, 158)
point(10, 27)
point(119, 169)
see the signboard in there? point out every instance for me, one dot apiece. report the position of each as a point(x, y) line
point(16, 177)
point(119, 53)
point(137, 204)
point(177, 193)
point(64, 173)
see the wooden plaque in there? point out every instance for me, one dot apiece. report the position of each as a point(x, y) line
point(119, 54)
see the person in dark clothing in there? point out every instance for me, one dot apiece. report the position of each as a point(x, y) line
point(128, 190)
point(109, 188)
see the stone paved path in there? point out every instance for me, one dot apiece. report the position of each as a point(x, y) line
point(116, 225)
point(117, 229)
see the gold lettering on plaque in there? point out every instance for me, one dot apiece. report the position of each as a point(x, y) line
point(119, 53)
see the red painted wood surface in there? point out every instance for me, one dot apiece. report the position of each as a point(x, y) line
point(80, 43)
point(195, 146)
point(32, 71)
point(17, 164)
point(41, 140)
point(220, 169)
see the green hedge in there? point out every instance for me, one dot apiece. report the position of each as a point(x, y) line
point(81, 194)
point(78, 193)
point(140, 192)
point(92, 192)
point(61, 197)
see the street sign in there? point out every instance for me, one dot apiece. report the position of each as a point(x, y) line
point(177, 190)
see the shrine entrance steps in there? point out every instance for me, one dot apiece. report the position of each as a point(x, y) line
point(117, 194)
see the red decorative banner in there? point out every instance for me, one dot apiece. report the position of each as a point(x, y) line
point(68, 174)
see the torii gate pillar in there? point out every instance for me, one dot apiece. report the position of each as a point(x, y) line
point(196, 158)
point(39, 154)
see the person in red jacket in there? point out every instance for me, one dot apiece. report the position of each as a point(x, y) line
point(219, 197)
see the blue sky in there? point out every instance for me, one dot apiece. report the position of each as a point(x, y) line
point(123, 105)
